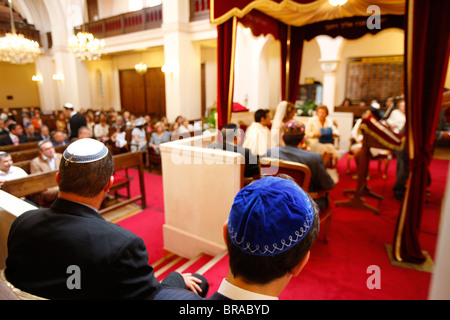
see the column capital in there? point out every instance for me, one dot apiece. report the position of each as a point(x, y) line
point(329, 66)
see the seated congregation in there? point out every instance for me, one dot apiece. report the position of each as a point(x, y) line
point(286, 184)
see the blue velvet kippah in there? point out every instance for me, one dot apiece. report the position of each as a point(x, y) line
point(85, 151)
point(270, 216)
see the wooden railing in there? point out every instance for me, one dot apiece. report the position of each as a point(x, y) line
point(145, 19)
point(199, 10)
point(27, 30)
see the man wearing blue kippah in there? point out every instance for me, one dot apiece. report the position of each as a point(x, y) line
point(69, 251)
point(269, 232)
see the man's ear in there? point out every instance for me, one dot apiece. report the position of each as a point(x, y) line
point(225, 231)
point(57, 177)
point(295, 272)
point(109, 184)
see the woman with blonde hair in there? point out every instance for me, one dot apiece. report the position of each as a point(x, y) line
point(320, 132)
point(160, 135)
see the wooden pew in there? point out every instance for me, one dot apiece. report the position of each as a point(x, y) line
point(20, 147)
point(39, 182)
point(25, 155)
point(123, 162)
point(25, 165)
point(32, 184)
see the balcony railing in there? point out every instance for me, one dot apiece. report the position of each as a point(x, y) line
point(27, 30)
point(145, 19)
point(199, 10)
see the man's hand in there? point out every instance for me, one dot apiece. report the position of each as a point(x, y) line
point(192, 282)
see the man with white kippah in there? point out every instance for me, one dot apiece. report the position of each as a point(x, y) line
point(68, 251)
point(269, 232)
point(76, 120)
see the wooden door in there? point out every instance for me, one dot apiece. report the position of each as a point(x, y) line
point(143, 94)
point(155, 91)
point(132, 92)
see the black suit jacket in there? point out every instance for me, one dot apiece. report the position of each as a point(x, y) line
point(35, 137)
point(112, 261)
point(217, 296)
point(76, 122)
point(5, 140)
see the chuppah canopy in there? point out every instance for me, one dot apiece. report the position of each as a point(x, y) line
point(427, 49)
point(291, 22)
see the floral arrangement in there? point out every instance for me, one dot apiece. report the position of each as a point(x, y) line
point(306, 110)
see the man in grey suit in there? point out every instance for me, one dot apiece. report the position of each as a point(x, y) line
point(69, 251)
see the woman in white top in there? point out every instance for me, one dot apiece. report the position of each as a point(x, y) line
point(285, 112)
point(101, 129)
point(138, 136)
point(320, 132)
point(397, 119)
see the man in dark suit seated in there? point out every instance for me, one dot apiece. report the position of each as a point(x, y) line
point(3, 129)
point(231, 136)
point(69, 251)
point(30, 134)
point(269, 232)
point(293, 136)
point(15, 135)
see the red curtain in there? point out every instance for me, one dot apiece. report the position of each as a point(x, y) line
point(291, 60)
point(225, 64)
point(427, 47)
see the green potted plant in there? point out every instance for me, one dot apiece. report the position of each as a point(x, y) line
point(306, 110)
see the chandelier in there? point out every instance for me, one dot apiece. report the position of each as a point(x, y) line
point(337, 2)
point(141, 68)
point(15, 48)
point(85, 46)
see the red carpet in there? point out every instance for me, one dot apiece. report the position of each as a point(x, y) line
point(357, 238)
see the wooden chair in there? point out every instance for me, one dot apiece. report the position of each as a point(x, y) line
point(302, 175)
point(385, 157)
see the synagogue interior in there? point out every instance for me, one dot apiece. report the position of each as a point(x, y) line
point(158, 82)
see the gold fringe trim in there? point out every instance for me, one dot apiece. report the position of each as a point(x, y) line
point(375, 135)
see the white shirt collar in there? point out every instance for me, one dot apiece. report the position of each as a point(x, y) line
point(13, 136)
point(235, 293)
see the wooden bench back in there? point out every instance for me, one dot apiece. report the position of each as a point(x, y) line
point(298, 171)
point(127, 160)
point(39, 182)
point(30, 154)
point(25, 165)
point(32, 184)
point(20, 147)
